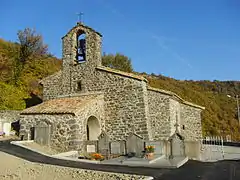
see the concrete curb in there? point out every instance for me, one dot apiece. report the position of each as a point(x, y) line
point(182, 162)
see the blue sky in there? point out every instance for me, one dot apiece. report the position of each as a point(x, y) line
point(185, 39)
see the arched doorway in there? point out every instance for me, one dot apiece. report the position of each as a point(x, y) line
point(93, 128)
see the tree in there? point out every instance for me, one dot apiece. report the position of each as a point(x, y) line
point(30, 45)
point(117, 61)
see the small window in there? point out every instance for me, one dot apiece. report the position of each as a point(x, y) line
point(79, 86)
point(183, 127)
point(87, 133)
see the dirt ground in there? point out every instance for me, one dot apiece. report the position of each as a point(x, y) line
point(14, 168)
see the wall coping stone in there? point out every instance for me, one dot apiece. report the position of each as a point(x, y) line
point(175, 95)
point(50, 77)
point(84, 26)
point(81, 94)
point(121, 73)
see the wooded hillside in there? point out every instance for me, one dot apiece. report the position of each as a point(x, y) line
point(24, 90)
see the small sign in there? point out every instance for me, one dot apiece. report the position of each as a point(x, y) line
point(91, 148)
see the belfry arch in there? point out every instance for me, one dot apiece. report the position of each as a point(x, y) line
point(81, 46)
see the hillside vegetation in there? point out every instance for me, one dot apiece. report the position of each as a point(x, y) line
point(19, 83)
point(20, 73)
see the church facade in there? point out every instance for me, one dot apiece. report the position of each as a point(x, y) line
point(85, 99)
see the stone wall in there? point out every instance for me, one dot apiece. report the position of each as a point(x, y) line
point(9, 115)
point(125, 105)
point(52, 86)
point(191, 119)
point(159, 114)
point(62, 128)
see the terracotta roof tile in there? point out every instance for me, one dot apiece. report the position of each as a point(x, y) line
point(59, 106)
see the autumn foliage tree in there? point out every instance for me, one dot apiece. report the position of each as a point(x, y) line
point(30, 46)
point(117, 61)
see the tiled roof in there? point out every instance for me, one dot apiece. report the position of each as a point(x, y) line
point(121, 73)
point(59, 106)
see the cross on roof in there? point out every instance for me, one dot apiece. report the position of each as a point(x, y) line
point(80, 17)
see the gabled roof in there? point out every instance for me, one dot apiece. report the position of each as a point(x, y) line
point(84, 26)
point(69, 105)
point(176, 134)
point(175, 95)
point(121, 73)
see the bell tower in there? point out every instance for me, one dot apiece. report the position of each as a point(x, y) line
point(81, 53)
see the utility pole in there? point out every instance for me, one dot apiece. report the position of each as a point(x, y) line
point(238, 109)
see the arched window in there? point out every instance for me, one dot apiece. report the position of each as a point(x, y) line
point(81, 47)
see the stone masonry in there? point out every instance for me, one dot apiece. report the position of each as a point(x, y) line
point(125, 103)
point(9, 115)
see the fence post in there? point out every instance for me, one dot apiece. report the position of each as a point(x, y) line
point(222, 147)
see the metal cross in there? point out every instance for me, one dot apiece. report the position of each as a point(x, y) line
point(80, 17)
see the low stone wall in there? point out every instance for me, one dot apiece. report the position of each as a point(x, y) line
point(9, 115)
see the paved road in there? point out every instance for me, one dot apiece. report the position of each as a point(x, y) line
point(193, 170)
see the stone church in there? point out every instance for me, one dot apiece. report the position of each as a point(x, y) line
point(85, 99)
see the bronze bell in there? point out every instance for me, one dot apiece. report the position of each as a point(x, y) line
point(81, 50)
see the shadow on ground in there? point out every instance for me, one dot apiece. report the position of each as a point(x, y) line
point(192, 170)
